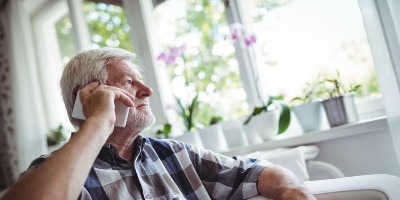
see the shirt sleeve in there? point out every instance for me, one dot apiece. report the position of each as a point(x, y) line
point(35, 163)
point(226, 177)
point(84, 195)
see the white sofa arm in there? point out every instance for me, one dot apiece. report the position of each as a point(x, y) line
point(377, 186)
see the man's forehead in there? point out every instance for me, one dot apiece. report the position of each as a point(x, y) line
point(123, 68)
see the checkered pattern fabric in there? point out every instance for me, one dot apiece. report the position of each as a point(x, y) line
point(168, 169)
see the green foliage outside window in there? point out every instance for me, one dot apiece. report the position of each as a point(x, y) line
point(108, 26)
point(202, 68)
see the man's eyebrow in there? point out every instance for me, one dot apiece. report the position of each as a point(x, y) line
point(138, 76)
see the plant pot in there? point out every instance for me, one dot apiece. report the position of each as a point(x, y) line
point(53, 148)
point(310, 116)
point(341, 110)
point(213, 138)
point(190, 138)
point(265, 125)
point(235, 134)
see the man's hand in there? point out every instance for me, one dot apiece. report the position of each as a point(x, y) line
point(276, 182)
point(98, 101)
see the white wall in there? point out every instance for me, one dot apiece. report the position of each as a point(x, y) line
point(371, 153)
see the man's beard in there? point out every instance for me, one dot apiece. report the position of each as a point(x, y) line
point(139, 119)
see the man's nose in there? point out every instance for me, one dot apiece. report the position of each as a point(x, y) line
point(144, 91)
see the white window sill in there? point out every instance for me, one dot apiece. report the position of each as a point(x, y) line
point(360, 127)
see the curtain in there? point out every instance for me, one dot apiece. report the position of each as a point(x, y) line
point(8, 150)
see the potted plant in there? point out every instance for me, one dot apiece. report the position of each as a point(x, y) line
point(308, 108)
point(56, 138)
point(188, 113)
point(340, 107)
point(164, 131)
point(213, 137)
point(270, 119)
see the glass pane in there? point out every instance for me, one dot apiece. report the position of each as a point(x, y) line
point(67, 49)
point(65, 39)
point(193, 48)
point(108, 26)
point(300, 40)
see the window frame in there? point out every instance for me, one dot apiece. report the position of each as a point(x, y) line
point(139, 18)
point(238, 14)
point(49, 61)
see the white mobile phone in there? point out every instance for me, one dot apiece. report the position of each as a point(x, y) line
point(121, 112)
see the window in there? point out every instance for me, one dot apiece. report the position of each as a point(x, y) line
point(193, 46)
point(290, 49)
point(300, 40)
point(65, 39)
point(67, 49)
point(107, 23)
point(52, 30)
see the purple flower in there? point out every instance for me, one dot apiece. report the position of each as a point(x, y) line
point(162, 56)
point(236, 31)
point(170, 56)
point(170, 59)
point(250, 40)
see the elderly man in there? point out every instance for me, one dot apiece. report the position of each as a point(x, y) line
point(101, 161)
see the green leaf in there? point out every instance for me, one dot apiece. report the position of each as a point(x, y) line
point(284, 117)
point(215, 119)
point(182, 113)
point(256, 111)
point(167, 128)
point(192, 111)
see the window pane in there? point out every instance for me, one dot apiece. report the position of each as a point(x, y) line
point(108, 26)
point(299, 40)
point(67, 49)
point(193, 48)
point(65, 39)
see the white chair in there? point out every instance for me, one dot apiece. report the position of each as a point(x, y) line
point(366, 187)
point(300, 160)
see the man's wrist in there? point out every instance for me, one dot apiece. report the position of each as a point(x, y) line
point(100, 126)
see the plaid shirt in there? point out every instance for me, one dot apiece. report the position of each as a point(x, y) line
point(168, 169)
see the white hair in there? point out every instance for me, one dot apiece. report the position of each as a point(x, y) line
point(86, 67)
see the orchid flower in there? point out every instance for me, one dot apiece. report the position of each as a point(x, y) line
point(250, 40)
point(237, 33)
point(170, 56)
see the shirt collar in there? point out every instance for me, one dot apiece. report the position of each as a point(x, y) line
point(109, 153)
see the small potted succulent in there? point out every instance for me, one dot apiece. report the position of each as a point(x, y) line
point(340, 107)
point(191, 135)
point(163, 133)
point(56, 138)
point(213, 137)
point(270, 119)
point(308, 108)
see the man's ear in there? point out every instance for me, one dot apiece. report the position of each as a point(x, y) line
point(75, 92)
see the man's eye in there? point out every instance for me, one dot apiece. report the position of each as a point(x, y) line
point(128, 82)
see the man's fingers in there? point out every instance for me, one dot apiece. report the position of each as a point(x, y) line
point(126, 98)
point(121, 95)
point(89, 88)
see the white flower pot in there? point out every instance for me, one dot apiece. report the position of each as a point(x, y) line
point(53, 148)
point(310, 116)
point(190, 138)
point(265, 124)
point(235, 134)
point(213, 138)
